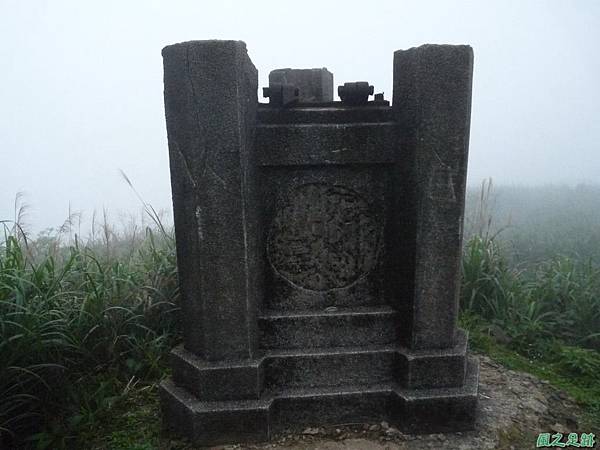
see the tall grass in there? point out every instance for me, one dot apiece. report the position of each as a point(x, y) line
point(556, 299)
point(84, 323)
point(529, 301)
point(78, 327)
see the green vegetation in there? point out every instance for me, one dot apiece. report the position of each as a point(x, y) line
point(555, 299)
point(545, 322)
point(85, 327)
point(532, 301)
point(80, 329)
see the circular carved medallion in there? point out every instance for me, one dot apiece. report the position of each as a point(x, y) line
point(324, 238)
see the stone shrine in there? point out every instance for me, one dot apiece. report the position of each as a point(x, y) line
point(318, 245)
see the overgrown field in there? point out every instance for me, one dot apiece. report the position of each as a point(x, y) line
point(81, 327)
point(85, 326)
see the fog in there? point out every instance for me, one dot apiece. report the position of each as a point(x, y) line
point(81, 85)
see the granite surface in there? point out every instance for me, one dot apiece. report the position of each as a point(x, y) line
point(318, 248)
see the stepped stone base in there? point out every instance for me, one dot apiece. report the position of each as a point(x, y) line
point(421, 391)
point(321, 366)
point(410, 410)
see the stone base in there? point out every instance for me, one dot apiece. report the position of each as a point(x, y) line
point(331, 358)
point(410, 410)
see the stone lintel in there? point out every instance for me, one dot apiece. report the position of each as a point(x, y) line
point(326, 144)
point(314, 114)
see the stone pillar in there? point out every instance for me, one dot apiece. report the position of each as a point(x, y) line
point(432, 105)
point(210, 104)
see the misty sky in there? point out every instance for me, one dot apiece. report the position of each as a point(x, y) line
point(81, 85)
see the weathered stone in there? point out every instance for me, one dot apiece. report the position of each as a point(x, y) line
point(314, 85)
point(210, 104)
point(318, 249)
point(432, 105)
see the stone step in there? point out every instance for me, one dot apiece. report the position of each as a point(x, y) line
point(411, 410)
point(327, 367)
point(340, 327)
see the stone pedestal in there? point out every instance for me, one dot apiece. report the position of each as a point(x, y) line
point(318, 250)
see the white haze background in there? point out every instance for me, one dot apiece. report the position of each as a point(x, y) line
point(81, 85)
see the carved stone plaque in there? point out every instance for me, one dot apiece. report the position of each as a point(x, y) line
point(325, 237)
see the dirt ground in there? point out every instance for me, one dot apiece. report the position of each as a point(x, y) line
point(514, 408)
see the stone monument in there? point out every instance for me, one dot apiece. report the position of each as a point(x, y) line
point(318, 245)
